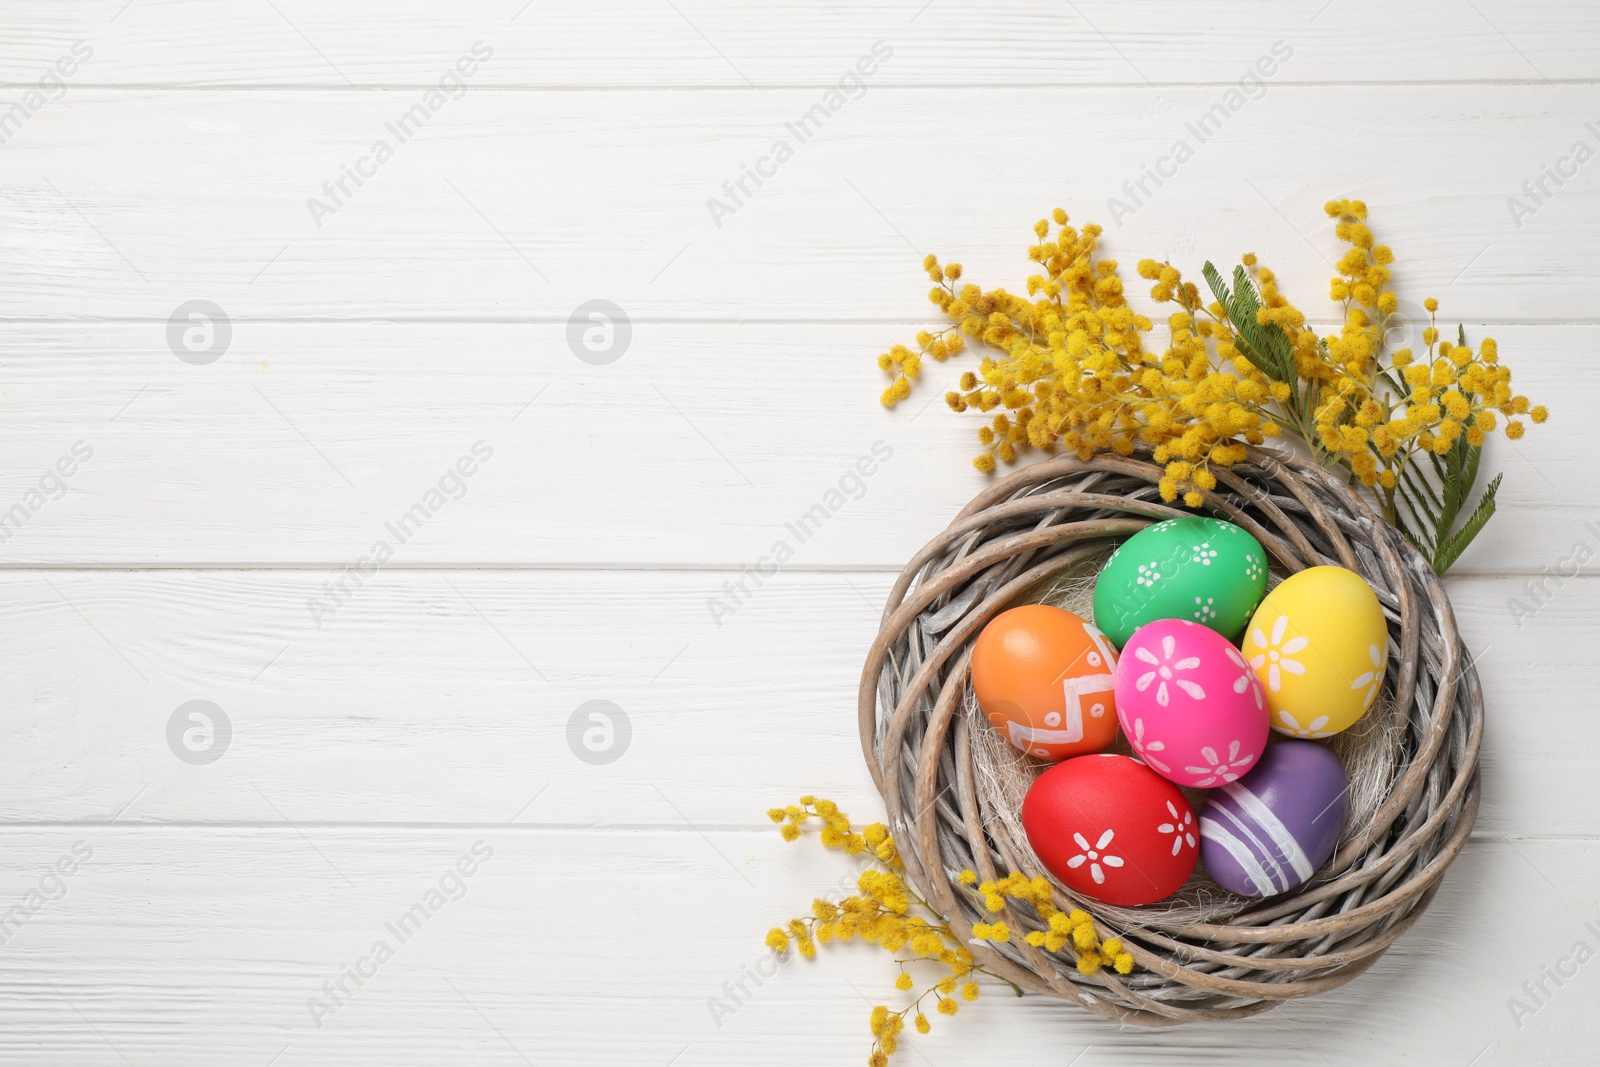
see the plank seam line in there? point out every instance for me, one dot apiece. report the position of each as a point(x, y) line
point(796, 87)
point(637, 320)
point(550, 828)
point(733, 567)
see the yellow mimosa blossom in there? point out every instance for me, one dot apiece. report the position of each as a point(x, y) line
point(1070, 369)
point(884, 912)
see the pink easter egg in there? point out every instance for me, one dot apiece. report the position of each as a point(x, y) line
point(1189, 704)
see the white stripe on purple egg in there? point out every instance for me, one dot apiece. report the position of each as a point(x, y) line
point(1261, 850)
point(1267, 844)
point(1214, 831)
point(1268, 832)
point(1281, 837)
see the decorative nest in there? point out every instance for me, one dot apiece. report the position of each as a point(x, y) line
point(953, 791)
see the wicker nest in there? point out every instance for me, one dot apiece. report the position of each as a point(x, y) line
point(1205, 954)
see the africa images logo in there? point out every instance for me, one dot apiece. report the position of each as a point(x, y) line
point(852, 85)
point(50, 86)
point(451, 85)
point(452, 485)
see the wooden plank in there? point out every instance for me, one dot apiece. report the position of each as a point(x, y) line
point(274, 454)
point(128, 204)
point(451, 697)
point(635, 43)
point(205, 946)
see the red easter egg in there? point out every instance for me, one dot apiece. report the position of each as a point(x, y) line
point(1045, 679)
point(1112, 829)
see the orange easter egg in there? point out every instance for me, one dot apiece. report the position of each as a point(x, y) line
point(1045, 679)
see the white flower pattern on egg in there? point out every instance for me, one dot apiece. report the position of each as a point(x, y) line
point(1277, 652)
point(1203, 553)
point(1371, 679)
point(1181, 828)
point(1164, 670)
point(1095, 855)
point(1241, 683)
point(1146, 749)
point(1221, 771)
point(1291, 725)
point(1252, 566)
point(1205, 608)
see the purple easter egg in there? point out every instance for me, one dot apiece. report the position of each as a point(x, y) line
point(1270, 831)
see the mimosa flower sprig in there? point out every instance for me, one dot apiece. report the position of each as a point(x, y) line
point(1074, 375)
point(885, 913)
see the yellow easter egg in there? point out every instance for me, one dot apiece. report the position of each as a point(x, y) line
point(1319, 645)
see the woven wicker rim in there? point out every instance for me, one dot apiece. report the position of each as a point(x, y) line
point(1060, 513)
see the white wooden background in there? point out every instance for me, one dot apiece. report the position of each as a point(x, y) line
point(430, 712)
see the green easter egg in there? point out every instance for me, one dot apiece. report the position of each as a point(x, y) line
point(1203, 570)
